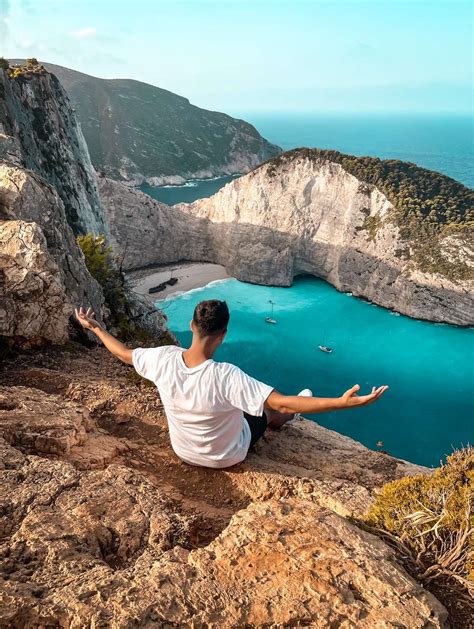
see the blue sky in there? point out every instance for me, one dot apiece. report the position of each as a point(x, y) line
point(260, 55)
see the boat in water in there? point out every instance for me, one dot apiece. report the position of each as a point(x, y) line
point(270, 319)
point(326, 349)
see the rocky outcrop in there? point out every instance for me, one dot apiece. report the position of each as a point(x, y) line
point(33, 302)
point(41, 131)
point(304, 215)
point(27, 197)
point(46, 180)
point(144, 232)
point(301, 213)
point(162, 138)
point(102, 525)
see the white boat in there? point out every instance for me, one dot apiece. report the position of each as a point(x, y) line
point(270, 319)
point(324, 348)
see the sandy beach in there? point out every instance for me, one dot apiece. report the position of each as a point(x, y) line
point(189, 274)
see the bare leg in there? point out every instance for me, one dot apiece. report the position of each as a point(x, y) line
point(276, 420)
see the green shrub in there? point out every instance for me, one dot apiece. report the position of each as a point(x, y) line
point(430, 518)
point(101, 265)
point(104, 268)
point(99, 259)
point(4, 64)
point(32, 61)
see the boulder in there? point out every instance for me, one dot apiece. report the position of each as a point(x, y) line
point(33, 301)
point(25, 196)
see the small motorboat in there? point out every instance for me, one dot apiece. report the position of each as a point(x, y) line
point(324, 348)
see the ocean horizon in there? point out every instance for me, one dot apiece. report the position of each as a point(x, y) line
point(439, 142)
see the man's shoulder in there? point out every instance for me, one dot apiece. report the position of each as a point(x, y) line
point(228, 370)
point(150, 353)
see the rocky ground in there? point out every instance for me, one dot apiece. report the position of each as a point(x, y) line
point(101, 525)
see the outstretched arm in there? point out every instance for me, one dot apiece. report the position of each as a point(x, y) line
point(115, 347)
point(295, 404)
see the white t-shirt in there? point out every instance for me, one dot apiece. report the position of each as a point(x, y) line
point(203, 404)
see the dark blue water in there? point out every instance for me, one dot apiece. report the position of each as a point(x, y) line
point(439, 142)
point(189, 192)
point(429, 367)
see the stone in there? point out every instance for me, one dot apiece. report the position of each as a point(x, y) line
point(36, 422)
point(27, 197)
point(34, 306)
point(105, 527)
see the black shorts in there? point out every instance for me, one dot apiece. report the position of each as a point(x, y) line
point(258, 425)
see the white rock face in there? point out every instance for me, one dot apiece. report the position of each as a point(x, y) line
point(26, 196)
point(309, 216)
point(279, 221)
point(33, 301)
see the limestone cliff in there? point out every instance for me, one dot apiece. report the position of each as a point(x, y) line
point(27, 197)
point(306, 212)
point(138, 132)
point(39, 131)
point(48, 188)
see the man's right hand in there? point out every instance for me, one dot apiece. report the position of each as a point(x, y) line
point(351, 398)
point(115, 347)
point(87, 319)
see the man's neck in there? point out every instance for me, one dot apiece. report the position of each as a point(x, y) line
point(197, 354)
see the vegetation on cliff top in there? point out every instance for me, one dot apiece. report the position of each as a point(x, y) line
point(26, 70)
point(430, 518)
point(428, 206)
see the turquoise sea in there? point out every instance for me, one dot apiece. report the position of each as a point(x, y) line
point(429, 407)
point(439, 142)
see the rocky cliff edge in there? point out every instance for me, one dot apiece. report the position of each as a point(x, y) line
point(102, 525)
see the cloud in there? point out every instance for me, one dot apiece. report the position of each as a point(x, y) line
point(84, 33)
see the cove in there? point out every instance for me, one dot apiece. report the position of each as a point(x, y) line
point(187, 192)
point(429, 408)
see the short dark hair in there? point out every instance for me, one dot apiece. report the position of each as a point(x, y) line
point(211, 317)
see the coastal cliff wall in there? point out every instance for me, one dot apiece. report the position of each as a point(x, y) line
point(304, 213)
point(48, 194)
point(40, 132)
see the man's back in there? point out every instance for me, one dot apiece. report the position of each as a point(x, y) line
point(204, 404)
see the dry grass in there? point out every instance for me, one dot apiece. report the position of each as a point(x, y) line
point(429, 518)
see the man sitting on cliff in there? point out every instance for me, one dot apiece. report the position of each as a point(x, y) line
point(215, 411)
